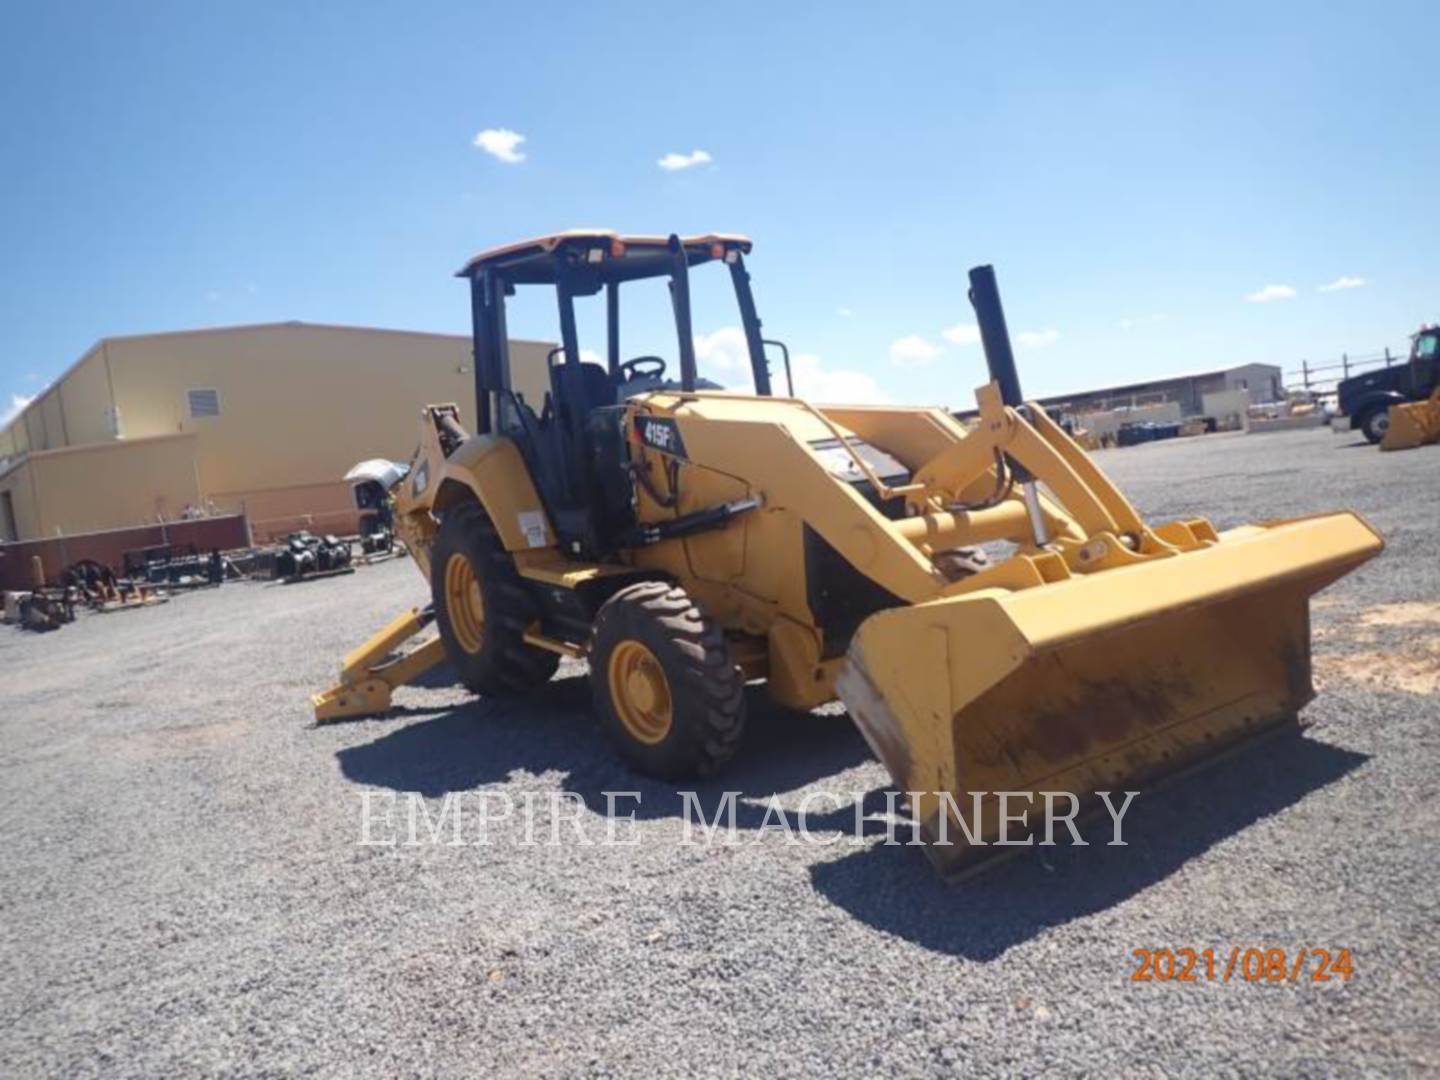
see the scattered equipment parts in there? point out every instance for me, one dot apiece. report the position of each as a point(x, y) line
point(97, 586)
point(305, 556)
point(685, 542)
point(41, 610)
point(178, 566)
point(48, 607)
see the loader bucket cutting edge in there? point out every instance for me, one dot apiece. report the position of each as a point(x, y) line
point(1097, 683)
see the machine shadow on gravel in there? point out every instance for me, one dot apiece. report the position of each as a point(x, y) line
point(552, 729)
point(888, 886)
point(893, 889)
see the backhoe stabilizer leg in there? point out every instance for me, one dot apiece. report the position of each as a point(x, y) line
point(372, 672)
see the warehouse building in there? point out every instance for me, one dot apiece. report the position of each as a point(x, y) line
point(1262, 382)
point(262, 419)
point(1259, 382)
point(265, 420)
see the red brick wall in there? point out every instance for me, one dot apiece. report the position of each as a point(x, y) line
point(109, 547)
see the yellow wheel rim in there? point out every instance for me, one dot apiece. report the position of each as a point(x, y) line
point(640, 692)
point(464, 604)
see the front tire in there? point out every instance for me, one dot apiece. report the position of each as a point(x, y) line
point(482, 608)
point(667, 690)
point(1376, 424)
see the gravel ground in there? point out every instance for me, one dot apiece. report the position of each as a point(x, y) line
point(184, 890)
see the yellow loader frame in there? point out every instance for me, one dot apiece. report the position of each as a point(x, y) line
point(1101, 652)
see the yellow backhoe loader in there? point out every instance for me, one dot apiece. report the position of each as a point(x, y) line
point(685, 542)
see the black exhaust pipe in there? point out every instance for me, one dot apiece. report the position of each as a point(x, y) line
point(1000, 359)
point(994, 335)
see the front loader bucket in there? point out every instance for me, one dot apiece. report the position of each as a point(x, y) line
point(1091, 684)
point(1414, 424)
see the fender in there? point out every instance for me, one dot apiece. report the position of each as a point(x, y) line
point(489, 468)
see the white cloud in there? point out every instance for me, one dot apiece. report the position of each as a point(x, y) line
point(1132, 321)
point(912, 349)
point(1270, 292)
point(17, 406)
point(673, 162)
point(844, 312)
point(501, 143)
point(724, 357)
point(962, 334)
point(1345, 281)
point(815, 383)
point(590, 356)
point(1036, 339)
point(722, 353)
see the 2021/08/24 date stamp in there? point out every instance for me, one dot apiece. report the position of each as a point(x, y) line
point(1241, 964)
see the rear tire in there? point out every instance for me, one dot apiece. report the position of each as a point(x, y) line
point(482, 608)
point(1375, 424)
point(667, 690)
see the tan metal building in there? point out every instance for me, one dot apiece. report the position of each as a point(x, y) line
point(263, 419)
point(1262, 383)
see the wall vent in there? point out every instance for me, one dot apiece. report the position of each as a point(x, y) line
point(203, 403)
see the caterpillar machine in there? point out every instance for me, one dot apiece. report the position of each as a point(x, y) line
point(686, 542)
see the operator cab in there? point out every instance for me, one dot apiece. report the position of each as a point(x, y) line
point(572, 441)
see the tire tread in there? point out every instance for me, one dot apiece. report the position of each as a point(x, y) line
point(709, 676)
point(508, 666)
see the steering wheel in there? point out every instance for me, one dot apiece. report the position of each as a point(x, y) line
point(653, 365)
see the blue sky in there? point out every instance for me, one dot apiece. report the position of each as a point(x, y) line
point(1134, 171)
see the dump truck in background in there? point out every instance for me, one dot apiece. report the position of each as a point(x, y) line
point(686, 542)
point(1367, 399)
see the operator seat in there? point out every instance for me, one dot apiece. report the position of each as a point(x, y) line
point(595, 386)
point(566, 452)
point(599, 389)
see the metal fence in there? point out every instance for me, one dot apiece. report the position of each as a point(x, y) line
point(1319, 380)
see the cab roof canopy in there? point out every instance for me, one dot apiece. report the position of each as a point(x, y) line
point(606, 254)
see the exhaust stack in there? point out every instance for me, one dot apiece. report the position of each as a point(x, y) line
point(1000, 359)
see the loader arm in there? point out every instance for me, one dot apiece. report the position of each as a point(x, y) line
point(1103, 654)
